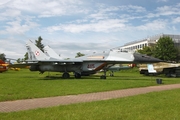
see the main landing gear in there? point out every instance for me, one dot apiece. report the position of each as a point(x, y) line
point(77, 75)
point(66, 75)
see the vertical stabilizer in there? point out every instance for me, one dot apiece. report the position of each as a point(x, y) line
point(34, 53)
point(51, 53)
point(151, 68)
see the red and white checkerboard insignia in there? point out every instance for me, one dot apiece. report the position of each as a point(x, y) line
point(37, 53)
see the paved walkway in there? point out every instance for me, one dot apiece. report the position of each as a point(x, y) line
point(19, 105)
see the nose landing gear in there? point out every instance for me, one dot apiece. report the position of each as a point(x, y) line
point(103, 76)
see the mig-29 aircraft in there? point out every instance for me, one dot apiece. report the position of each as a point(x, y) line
point(81, 66)
point(117, 67)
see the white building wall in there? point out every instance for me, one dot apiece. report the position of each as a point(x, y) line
point(136, 45)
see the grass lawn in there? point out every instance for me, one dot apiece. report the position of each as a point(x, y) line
point(163, 105)
point(24, 84)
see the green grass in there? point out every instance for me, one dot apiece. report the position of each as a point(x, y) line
point(24, 84)
point(163, 105)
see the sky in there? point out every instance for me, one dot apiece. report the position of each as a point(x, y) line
point(86, 26)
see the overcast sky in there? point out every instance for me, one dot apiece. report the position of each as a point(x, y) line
point(71, 26)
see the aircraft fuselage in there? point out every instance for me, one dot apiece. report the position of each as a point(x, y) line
point(85, 67)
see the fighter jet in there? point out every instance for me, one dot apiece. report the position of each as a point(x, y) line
point(81, 66)
point(51, 53)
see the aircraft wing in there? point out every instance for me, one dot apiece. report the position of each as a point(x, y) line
point(122, 57)
point(55, 61)
point(38, 62)
point(21, 65)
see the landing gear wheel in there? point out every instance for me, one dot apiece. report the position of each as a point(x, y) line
point(103, 77)
point(77, 75)
point(65, 75)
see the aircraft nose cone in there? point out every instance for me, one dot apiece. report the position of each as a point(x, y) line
point(141, 58)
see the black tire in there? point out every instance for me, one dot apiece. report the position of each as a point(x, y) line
point(65, 75)
point(77, 75)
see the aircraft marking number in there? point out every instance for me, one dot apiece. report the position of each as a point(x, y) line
point(91, 66)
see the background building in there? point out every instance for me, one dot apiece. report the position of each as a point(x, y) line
point(149, 41)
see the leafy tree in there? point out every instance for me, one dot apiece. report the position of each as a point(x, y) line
point(178, 56)
point(146, 50)
point(39, 43)
point(165, 49)
point(26, 56)
point(19, 60)
point(3, 57)
point(79, 54)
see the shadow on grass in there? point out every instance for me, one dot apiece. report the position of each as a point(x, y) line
point(53, 77)
point(97, 77)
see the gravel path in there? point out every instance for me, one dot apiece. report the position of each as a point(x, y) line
point(19, 105)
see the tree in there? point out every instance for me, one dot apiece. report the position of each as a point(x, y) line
point(39, 43)
point(79, 54)
point(146, 50)
point(165, 49)
point(178, 56)
point(19, 60)
point(26, 56)
point(3, 57)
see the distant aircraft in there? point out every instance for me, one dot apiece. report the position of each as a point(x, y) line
point(85, 65)
point(3, 66)
point(117, 67)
